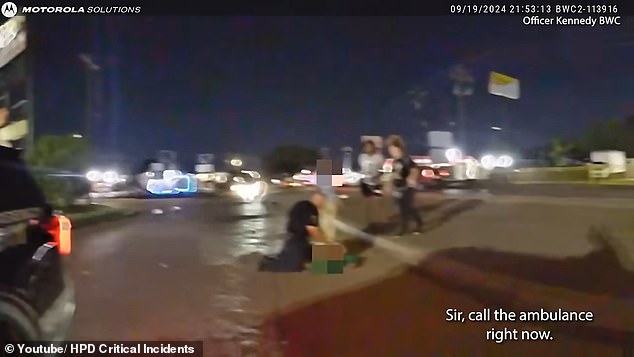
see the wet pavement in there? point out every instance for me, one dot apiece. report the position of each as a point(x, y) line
point(188, 273)
point(169, 273)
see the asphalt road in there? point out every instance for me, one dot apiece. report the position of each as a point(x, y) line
point(166, 275)
point(171, 276)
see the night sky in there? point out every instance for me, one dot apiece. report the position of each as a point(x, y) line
point(218, 84)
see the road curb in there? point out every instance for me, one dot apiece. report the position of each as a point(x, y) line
point(628, 185)
point(613, 317)
point(109, 214)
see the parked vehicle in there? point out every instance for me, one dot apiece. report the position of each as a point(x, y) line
point(36, 294)
point(462, 171)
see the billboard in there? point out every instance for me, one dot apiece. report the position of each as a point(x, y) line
point(504, 86)
point(14, 125)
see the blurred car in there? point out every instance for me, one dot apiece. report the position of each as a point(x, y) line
point(285, 181)
point(156, 180)
point(205, 182)
point(171, 182)
point(309, 178)
point(205, 174)
point(455, 171)
point(221, 180)
point(248, 185)
point(37, 300)
point(305, 178)
point(104, 181)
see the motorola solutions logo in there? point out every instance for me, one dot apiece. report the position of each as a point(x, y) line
point(9, 9)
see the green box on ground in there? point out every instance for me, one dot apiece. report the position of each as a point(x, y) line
point(327, 266)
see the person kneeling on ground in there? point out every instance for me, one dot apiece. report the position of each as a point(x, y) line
point(302, 229)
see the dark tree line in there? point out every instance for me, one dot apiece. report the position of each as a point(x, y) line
point(603, 135)
point(289, 159)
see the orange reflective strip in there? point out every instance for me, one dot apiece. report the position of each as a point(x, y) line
point(64, 238)
point(52, 228)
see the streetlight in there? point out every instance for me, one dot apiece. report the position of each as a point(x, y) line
point(91, 77)
point(88, 61)
point(78, 136)
point(236, 162)
point(496, 136)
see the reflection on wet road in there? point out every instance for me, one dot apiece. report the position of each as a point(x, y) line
point(173, 275)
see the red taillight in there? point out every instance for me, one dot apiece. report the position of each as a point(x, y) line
point(427, 173)
point(444, 173)
point(60, 228)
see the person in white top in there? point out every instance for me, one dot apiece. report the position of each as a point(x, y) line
point(371, 162)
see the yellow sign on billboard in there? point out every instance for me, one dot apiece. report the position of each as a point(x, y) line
point(504, 86)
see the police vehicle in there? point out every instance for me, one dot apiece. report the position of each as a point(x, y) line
point(36, 294)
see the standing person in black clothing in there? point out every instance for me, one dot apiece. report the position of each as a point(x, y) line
point(302, 229)
point(404, 182)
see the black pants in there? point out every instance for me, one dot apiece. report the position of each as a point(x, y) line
point(408, 210)
point(368, 190)
point(296, 252)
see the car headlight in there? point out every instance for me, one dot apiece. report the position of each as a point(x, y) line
point(249, 192)
point(110, 177)
point(94, 176)
point(505, 161)
point(488, 162)
point(220, 179)
point(453, 154)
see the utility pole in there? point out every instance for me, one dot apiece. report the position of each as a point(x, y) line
point(113, 96)
point(463, 87)
point(418, 98)
point(92, 82)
